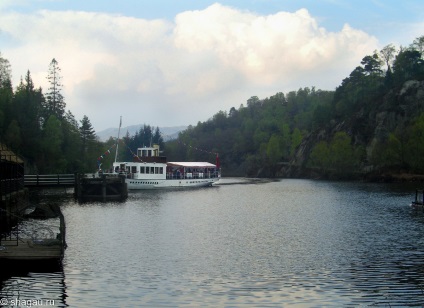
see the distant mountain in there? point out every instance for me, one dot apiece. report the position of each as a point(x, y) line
point(168, 133)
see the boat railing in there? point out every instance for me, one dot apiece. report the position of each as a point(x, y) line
point(174, 175)
point(192, 175)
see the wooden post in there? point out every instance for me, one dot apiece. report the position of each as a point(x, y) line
point(104, 188)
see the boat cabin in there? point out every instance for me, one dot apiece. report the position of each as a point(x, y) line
point(148, 164)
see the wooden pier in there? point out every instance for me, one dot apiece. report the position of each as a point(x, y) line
point(41, 245)
point(87, 187)
point(104, 188)
point(35, 246)
point(49, 180)
point(29, 250)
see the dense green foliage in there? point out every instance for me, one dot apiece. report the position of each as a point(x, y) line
point(36, 126)
point(337, 128)
point(367, 124)
point(262, 133)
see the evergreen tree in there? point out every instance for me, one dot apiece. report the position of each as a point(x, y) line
point(72, 143)
point(27, 104)
point(91, 148)
point(52, 140)
point(13, 136)
point(157, 137)
point(408, 65)
point(55, 103)
point(418, 44)
point(88, 137)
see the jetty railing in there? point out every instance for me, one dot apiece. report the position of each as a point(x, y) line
point(49, 180)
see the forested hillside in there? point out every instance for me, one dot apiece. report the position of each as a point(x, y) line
point(372, 122)
point(262, 133)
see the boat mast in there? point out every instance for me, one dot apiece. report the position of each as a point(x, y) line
point(117, 140)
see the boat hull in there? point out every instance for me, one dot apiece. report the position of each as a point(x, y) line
point(139, 184)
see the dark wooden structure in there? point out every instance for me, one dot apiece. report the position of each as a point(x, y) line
point(11, 172)
point(38, 246)
point(86, 187)
point(12, 193)
point(14, 199)
point(418, 203)
point(49, 180)
point(103, 188)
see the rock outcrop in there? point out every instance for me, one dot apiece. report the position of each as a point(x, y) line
point(396, 109)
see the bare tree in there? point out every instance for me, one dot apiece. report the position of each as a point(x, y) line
point(388, 54)
point(5, 71)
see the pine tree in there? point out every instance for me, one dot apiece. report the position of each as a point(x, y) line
point(55, 103)
point(87, 133)
point(51, 143)
point(89, 145)
point(27, 102)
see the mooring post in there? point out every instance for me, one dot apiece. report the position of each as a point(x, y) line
point(104, 188)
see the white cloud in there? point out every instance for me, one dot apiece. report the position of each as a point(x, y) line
point(170, 73)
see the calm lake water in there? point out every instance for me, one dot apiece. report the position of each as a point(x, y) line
point(281, 243)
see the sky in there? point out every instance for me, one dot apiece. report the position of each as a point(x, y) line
point(169, 63)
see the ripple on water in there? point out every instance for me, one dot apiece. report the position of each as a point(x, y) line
point(289, 242)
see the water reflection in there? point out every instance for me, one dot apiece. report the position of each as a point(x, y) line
point(268, 244)
point(32, 284)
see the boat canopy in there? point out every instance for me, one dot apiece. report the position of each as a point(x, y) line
point(191, 164)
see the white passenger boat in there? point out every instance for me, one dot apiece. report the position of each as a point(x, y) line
point(151, 171)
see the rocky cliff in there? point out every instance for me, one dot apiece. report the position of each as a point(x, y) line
point(366, 127)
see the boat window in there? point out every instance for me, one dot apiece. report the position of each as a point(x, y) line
point(160, 170)
point(152, 170)
point(157, 170)
point(142, 169)
point(147, 170)
point(133, 169)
